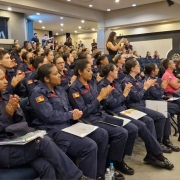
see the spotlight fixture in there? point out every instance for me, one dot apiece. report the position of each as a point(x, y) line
point(38, 14)
point(40, 21)
point(170, 3)
point(9, 8)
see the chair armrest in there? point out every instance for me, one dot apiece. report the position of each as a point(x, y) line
point(111, 113)
point(83, 120)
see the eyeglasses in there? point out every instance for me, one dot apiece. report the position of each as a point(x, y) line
point(60, 63)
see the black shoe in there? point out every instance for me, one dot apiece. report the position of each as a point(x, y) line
point(168, 164)
point(150, 159)
point(124, 168)
point(168, 143)
point(118, 175)
point(166, 149)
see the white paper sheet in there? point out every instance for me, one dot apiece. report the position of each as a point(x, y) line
point(159, 106)
point(133, 113)
point(80, 129)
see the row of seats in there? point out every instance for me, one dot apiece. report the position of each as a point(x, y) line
point(143, 62)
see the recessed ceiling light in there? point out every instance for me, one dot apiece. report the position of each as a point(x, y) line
point(38, 14)
point(133, 5)
point(43, 27)
point(9, 8)
point(82, 21)
point(79, 27)
point(68, 0)
point(75, 31)
point(108, 9)
point(62, 24)
point(116, 0)
point(61, 29)
point(93, 29)
point(61, 18)
point(56, 33)
point(40, 21)
point(90, 5)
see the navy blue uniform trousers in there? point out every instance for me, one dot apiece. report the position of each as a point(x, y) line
point(121, 138)
point(13, 156)
point(86, 149)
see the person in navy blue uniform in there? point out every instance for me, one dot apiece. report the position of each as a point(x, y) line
point(156, 92)
point(49, 55)
point(50, 103)
point(31, 80)
point(42, 154)
point(68, 58)
point(119, 60)
point(136, 97)
point(83, 95)
point(116, 102)
point(66, 77)
point(26, 66)
point(14, 78)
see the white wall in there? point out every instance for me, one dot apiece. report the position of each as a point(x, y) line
point(163, 46)
point(148, 29)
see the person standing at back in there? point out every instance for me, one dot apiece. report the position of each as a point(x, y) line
point(35, 38)
point(113, 47)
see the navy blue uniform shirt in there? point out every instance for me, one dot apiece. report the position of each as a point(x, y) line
point(52, 109)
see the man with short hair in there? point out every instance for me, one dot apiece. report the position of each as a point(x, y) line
point(173, 83)
point(35, 38)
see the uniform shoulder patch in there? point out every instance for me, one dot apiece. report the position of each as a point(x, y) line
point(39, 99)
point(75, 95)
point(30, 81)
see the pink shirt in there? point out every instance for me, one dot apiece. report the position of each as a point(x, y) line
point(170, 77)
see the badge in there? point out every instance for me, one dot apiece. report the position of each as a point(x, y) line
point(76, 95)
point(30, 81)
point(39, 99)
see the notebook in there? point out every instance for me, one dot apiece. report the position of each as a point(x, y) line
point(23, 139)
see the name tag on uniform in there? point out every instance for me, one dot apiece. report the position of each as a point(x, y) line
point(85, 91)
point(52, 95)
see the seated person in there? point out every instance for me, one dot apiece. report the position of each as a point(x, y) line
point(116, 103)
point(156, 55)
point(83, 95)
point(173, 83)
point(14, 78)
point(136, 98)
point(51, 105)
point(177, 70)
point(49, 55)
point(66, 77)
point(148, 55)
point(26, 66)
point(42, 154)
point(156, 92)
